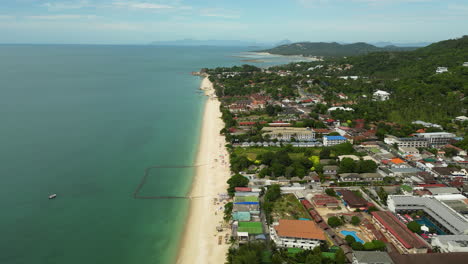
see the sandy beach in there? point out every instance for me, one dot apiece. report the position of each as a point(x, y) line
point(200, 241)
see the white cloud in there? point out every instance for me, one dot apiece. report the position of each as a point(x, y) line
point(60, 17)
point(218, 12)
point(67, 5)
point(141, 5)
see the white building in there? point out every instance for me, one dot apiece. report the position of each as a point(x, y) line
point(446, 218)
point(437, 138)
point(465, 64)
point(380, 95)
point(451, 243)
point(331, 109)
point(288, 133)
point(296, 234)
point(441, 69)
point(333, 140)
point(461, 118)
point(426, 124)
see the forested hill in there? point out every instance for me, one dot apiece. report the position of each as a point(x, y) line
point(412, 64)
point(330, 49)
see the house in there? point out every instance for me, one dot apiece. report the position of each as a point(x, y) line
point(461, 118)
point(426, 124)
point(400, 236)
point(409, 150)
point(380, 95)
point(441, 69)
point(331, 109)
point(371, 257)
point(322, 200)
point(330, 170)
point(296, 234)
point(333, 140)
point(465, 64)
point(352, 200)
point(360, 177)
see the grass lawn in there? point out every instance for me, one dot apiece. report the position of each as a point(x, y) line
point(288, 207)
point(253, 152)
point(375, 150)
point(254, 228)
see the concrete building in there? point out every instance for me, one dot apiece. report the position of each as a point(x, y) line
point(371, 257)
point(440, 214)
point(380, 95)
point(296, 234)
point(437, 138)
point(288, 133)
point(360, 177)
point(441, 69)
point(333, 140)
point(411, 142)
point(400, 236)
point(452, 243)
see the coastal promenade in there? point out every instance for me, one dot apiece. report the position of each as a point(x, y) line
point(199, 242)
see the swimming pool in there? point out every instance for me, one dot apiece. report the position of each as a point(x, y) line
point(353, 234)
point(425, 221)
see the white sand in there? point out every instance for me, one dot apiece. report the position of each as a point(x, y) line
point(200, 239)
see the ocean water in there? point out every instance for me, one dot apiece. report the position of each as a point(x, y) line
point(85, 122)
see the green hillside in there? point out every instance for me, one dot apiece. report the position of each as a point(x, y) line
point(419, 63)
point(330, 49)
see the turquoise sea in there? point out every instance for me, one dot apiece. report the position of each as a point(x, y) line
point(84, 122)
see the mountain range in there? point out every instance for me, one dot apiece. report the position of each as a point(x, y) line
point(331, 49)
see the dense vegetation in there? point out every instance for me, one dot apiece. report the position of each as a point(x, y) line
point(332, 49)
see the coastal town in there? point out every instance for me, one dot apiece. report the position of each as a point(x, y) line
point(314, 179)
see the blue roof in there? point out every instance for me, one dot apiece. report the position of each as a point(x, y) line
point(335, 138)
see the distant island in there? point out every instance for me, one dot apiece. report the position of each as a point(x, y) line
point(332, 49)
point(225, 43)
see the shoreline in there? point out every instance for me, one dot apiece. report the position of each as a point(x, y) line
point(199, 240)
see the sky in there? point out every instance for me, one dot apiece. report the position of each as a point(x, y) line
point(145, 21)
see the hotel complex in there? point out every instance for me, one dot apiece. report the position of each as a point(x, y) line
point(296, 234)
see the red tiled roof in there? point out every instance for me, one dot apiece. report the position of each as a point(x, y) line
point(397, 161)
point(398, 230)
point(299, 229)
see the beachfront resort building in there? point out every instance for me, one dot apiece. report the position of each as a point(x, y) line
point(289, 133)
point(333, 140)
point(296, 234)
point(404, 239)
point(437, 212)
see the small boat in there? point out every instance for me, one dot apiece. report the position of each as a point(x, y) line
point(52, 196)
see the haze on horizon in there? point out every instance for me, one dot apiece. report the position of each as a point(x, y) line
point(262, 21)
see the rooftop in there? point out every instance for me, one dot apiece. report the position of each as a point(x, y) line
point(443, 190)
point(372, 257)
point(335, 138)
point(299, 229)
point(453, 221)
point(433, 258)
point(352, 199)
point(399, 230)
